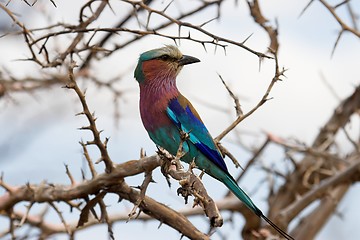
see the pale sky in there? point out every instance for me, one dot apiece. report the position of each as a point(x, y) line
point(41, 133)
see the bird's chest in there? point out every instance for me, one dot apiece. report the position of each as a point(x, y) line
point(153, 112)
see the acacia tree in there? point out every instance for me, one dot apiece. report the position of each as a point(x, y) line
point(65, 53)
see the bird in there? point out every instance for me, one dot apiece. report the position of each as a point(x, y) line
point(166, 115)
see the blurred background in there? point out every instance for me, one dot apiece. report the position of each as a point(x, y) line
point(39, 132)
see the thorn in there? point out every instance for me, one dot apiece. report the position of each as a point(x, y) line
point(179, 33)
point(160, 225)
point(192, 165)
point(110, 7)
point(142, 153)
point(247, 38)
point(167, 6)
point(138, 214)
point(202, 174)
point(83, 174)
point(148, 21)
point(305, 8)
point(168, 181)
point(203, 24)
point(218, 9)
point(224, 47)
point(203, 44)
point(68, 86)
point(84, 128)
point(336, 43)
point(260, 61)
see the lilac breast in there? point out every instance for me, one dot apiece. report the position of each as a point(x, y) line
point(154, 101)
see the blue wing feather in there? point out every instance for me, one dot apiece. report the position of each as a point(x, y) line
point(185, 118)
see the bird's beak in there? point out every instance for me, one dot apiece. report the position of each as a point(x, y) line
point(185, 59)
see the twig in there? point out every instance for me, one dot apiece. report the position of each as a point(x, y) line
point(61, 217)
point(278, 74)
point(148, 179)
point(84, 216)
point(262, 21)
point(191, 185)
point(200, 29)
point(343, 25)
point(88, 159)
point(226, 152)
point(68, 173)
point(92, 126)
point(254, 157)
point(23, 219)
point(294, 209)
point(238, 109)
point(353, 142)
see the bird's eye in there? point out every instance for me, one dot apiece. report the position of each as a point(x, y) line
point(165, 57)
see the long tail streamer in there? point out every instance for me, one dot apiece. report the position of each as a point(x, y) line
point(279, 230)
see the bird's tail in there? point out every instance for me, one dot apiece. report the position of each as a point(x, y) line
point(240, 194)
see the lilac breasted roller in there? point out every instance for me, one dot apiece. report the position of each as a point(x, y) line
point(166, 114)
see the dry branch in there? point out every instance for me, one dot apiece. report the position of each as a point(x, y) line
point(322, 174)
point(312, 168)
point(91, 118)
point(277, 77)
point(190, 185)
point(47, 192)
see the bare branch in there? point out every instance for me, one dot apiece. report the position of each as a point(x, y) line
point(294, 209)
point(277, 76)
point(92, 127)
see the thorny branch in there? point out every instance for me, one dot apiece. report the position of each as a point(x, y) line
point(91, 118)
point(320, 174)
point(191, 185)
point(344, 26)
point(316, 168)
point(277, 77)
point(273, 49)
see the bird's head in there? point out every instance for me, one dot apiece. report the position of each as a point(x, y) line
point(160, 63)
